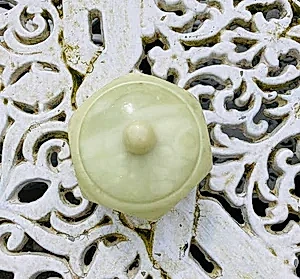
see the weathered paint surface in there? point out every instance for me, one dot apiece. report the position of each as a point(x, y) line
point(240, 58)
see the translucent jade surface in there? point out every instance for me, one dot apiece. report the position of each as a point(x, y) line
point(139, 145)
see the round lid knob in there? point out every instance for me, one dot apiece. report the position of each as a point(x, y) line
point(139, 145)
point(139, 137)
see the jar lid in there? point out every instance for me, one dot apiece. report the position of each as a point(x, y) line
point(139, 145)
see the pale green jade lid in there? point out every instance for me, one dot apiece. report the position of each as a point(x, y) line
point(139, 145)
